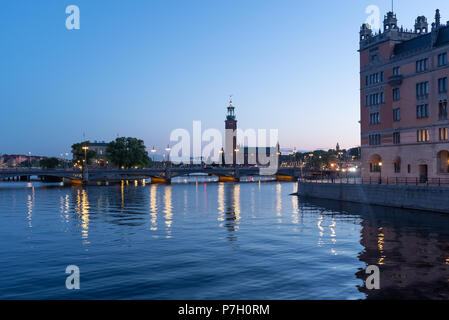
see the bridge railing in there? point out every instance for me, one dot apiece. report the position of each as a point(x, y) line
point(417, 181)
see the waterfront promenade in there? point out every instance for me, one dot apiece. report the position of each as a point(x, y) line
point(417, 195)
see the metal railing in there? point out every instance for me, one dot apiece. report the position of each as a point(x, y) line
point(412, 181)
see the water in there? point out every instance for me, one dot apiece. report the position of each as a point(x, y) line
point(212, 241)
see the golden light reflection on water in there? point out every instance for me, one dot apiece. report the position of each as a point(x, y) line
point(380, 246)
point(82, 208)
point(122, 192)
point(153, 207)
point(168, 210)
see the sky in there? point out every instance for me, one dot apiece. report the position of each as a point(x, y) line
point(143, 68)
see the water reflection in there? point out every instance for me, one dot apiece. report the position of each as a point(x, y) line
point(295, 211)
point(279, 202)
point(229, 208)
point(168, 210)
point(30, 206)
point(153, 207)
point(163, 233)
point(82, 209)
point(65, 207)
point(411, 249)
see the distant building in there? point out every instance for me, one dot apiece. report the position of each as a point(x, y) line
point(14, 160)
point(404, 88)
point(100, 148)
point(246, 155)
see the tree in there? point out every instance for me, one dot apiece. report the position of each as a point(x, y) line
point(79, 153)
point(355, 152)
point(128, 153)
point(49, 163)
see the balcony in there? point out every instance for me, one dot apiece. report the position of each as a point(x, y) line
point(395, 80)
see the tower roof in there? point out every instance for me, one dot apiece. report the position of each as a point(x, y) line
point(231, 113)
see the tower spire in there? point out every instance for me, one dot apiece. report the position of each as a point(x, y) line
point(437, 18)
point(231, 112)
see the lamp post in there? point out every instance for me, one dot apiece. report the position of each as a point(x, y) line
point(278, 153)
point(236, 150)
point(380, 172)
point(222, 156)
point(168, 153)
point(85, 172)
point(85, 148)
point(153, 151)
point(29, 160)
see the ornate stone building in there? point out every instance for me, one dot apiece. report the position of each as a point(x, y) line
point(404, 115)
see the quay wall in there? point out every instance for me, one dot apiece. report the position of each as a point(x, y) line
point(429, 198)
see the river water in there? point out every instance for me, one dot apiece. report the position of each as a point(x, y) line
point(213, 241)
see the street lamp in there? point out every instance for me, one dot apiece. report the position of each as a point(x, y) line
point(236, 157)
point(168, 153)
point(222, 158)
point(380, 172)
point(85, 148)
point(153, 151)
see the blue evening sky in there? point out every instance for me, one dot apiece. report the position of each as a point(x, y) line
point(144, 67)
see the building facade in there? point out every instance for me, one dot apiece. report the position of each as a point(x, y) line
point(14, 160)
point(404, 116)
point(100, 151)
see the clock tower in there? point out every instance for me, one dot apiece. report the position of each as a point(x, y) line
point(230, 135)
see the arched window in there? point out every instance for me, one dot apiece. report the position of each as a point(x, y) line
point(375, 163)
point(397, 165)
point(443, 161)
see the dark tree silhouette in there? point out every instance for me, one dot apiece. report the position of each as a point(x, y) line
point(128, 153)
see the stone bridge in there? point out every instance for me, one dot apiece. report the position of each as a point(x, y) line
point(157, 175)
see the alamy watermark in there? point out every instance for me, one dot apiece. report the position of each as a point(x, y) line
point(72, 282)
point(373, 20)
point(241, 147)
point(372, 282)
point(72, 22)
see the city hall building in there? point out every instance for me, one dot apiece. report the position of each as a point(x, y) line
point(404, 115)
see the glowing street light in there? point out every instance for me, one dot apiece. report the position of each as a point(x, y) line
point(153, 151)
point(85, 148)
point(168, 152)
